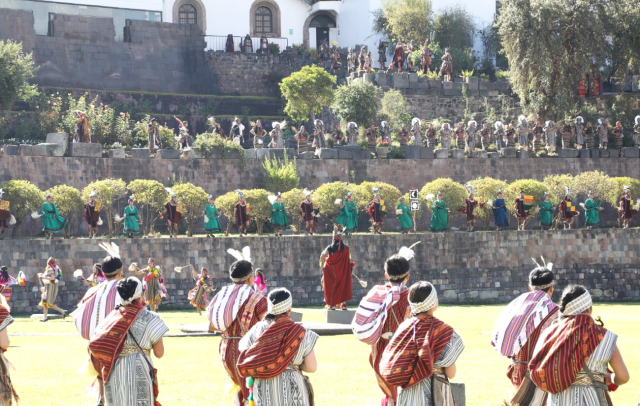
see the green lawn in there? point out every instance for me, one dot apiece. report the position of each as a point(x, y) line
point(191, 373)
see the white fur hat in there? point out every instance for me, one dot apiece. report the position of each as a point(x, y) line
point(581, 119)
point(498, 124)
point(443, 124)
point(637, 120)
point(416, 120)
point(384, 124)
point(475, 123)
point(522, 118)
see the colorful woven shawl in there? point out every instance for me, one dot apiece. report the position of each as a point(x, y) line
point(223, 309)
point(92, 307)
point(107, 344)
point(565, 348)
point(416, 346)
point(520, 319)
point(273, 351)
point(373, 311)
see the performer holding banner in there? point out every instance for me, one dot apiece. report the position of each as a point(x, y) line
point(273, 355)
point(52, 221)
point(567, 210)
point(6, 218)
point(381, 312)
point(336, 265)
point(518, 329)
point(421, 356)
point(173, 211)
point(523, 205)
point(233, 311)
point(92, 214)
point(306, 213)
point(627, 207)
point(121, 349)
point(377, 211)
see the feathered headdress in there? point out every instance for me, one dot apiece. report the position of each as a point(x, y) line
point(352, 123)
point(307, 192)
point(240, 194)
point(282, 124)
point(590, 193)
point(443, 124)
point(131, 198)
point(337, 230)
point(626, 188)
point(546, 194)
point(579, 118)
point(439, 193)
point(212, 121)
point(240, 256)
point(545, 265)
point(384, 124)
point(93, 194)
point(48, 195)
point(210, 197)
point(475, 123)
point(600, 121)
point(408, 253)
point(375, 191)
point(316, 121)
point(522, 118)
point(416, 120)
point(170, 191)
point(112, 249)
point(498, 124)
point(567, 190)
point(469, 188)
point(273, 198)
point(637, 120)
point(499, 191)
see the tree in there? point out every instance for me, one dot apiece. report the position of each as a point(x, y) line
point(530, 187)
point(453, 194)
point(618, 190)
point(486, 190)
point(307, 92)
point(260, 212)
point(356, 103)
point(556, 185)
point(108, 192)
point(455, 28)
point(68, 201)
point(16, 70)
point(193, 200)
point(24, 197)
point(326, 196)
point(292, 200)
point(363, 194)
point(394, 107)
point(554, 46)
point(152, 195)
point(598, 182)
point(225, 205)
point(282, 175)
point(407, 19)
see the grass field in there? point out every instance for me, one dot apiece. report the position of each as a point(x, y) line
point(47, 356)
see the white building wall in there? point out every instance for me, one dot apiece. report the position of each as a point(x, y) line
point(150, 5)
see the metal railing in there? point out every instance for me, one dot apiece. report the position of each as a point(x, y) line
point(219, 42)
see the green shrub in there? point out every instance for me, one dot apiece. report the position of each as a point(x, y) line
point(24, 197)
point(556, 186)
point(193, 200)
point(617, 191)
point(108, 191)
point(153, 196)
point(486, 190)
point(212, 145)
point(260, 207)
point(281, 175)
point(598, 182)
point(530, 187)
point(326, 196)
point(225, 205)
point(68, 201)
point(453, 194)
point(292, 200)
point(363, 194)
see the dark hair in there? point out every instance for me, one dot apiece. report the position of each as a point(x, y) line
point(396, 267)
point(259, 271)
point(110, 266)
point(4, 273)
point(541, 277)
point(274, 297)
point(570, 293)
point(127, 288)
point(419, 292)
point(240, 269)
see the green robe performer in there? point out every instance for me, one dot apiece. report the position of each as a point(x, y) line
point(545, 215)
point(52, 221)
point(348, 217)
point(211, 222)
point(592, 218)
point(440, 217)
point(131, 219)
point(404, 216)
point(278, 214)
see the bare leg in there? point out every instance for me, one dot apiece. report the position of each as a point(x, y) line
point(45, 311)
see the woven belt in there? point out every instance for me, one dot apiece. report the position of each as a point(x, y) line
point(516, 361)
point(439, 371)
point(231, 338)
point(126, 351)
point(583, 379)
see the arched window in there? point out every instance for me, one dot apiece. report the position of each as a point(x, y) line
point(187, 14)
point(322, 20)
point(263, 20)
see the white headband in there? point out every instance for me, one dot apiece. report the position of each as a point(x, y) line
point(137, 293)
point(282, 307)
point(578, 305)
point(429, 303)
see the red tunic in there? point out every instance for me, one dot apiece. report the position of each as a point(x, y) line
point(336, 274)
point(374, 212)
point(171, 211)
point(240, 213)
point(470, 209)
point(306, 210)
point(566, 215)
point(89, 210)
point(626, 212)
point(520, 210)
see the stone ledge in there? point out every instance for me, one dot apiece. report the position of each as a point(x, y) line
point(88, 150)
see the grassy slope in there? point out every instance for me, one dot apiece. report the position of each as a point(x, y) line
point(191, 373)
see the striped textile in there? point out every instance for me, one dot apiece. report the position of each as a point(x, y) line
point(520, 320)
point(409, 358)
point(223, 309)
point(106, 345)
point(96, 304)
point(273, 351)
point(563, 350)
point(370, 321)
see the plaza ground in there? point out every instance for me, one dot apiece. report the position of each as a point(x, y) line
point(47, 357)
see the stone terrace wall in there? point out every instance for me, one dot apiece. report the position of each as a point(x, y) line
point(82, 53)
point(465, 268)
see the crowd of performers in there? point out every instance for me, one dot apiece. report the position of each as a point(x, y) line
point(560, 354)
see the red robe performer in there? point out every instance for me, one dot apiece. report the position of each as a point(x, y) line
point(240, 215)
point(521, 212)
point(376, 211)
point(306, 213)
point(398, 57)
point(626, 208)
point(567, 210)
point(336, 273)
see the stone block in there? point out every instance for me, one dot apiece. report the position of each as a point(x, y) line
point(279, 152)
point(117, 153)
point(296, 316)
point(614, 153)
point(339, 316)
point(604, 153)
point(231, 154)
point(140, 153)
point(450, 294)
point(251, 154)
point(441, 153)
point(12, 149)
point(459, 393)
point(567, 153)
point(457, 153)
point(328, 153)
point(472, 83)
point(25, 150)
point(522, 154)
point(261, 153)
point(41, 150)
point(427, 153)
point(447, 85)
point(631, 152)
point(369, 77)
point(85, 149)
point(488, 294)
point(584, 153)
point(344, 154)
point(59, 138)
point(413, 77)
point(306, 155)
point(400, 81)
point(411, 151)
point(169, 154)
point(480, 154)
point(383, 79)
point(494, 155)
point(508, 153)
